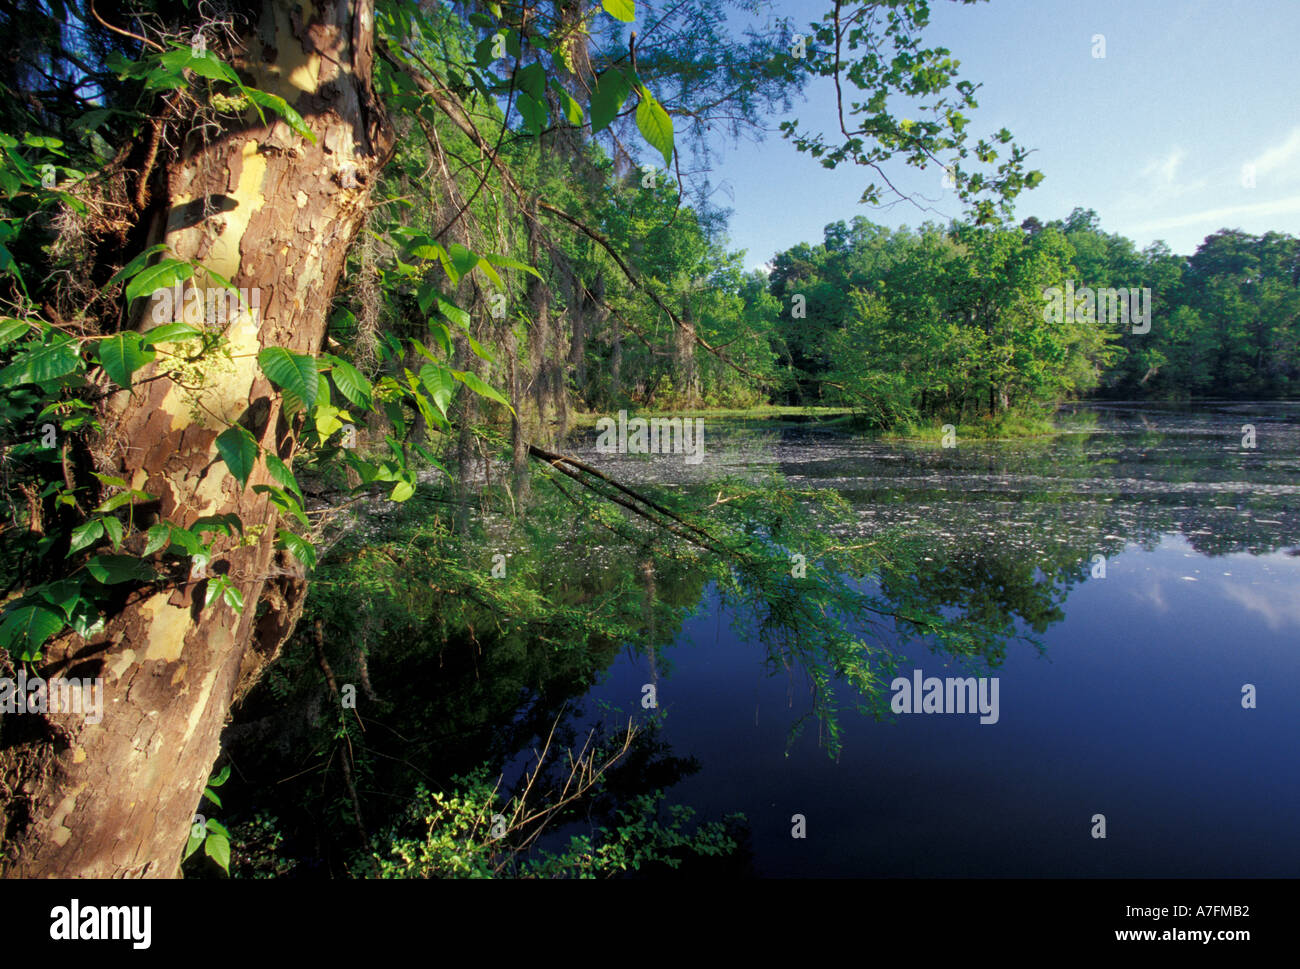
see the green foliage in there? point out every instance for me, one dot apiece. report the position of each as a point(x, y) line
point(211, 834)
point(915, 328)
point(239, 450)
point(655, 125)
point(455, 839)
point(294, 373)
point(879, 56)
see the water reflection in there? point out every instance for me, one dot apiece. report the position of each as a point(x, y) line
point(1123, 582)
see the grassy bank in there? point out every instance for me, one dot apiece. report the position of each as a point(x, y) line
point(762, 412)
point(1008, 428)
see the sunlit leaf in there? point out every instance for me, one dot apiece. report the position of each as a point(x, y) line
point(294, 373)
point(624, 10)
point(655, 125)
point(121, 355)
point(163, 275)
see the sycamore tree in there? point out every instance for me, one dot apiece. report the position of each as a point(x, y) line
point(182, 192)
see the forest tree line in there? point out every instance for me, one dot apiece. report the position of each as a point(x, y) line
point(952, 321)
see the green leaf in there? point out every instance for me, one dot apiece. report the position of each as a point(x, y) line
point(227, 524)
point(489, 271)
point(440, 383)
point(120, 355)
point(532, 81)
point(284, 501)
point(568, 104)
point(607, 98)
point(299, 547)
point(478, 349)
point(163, 275)
point(220, 585)
point(170, 333)
point(192, 845)
point(220, 778)
point(439, 331)
point(624, 10)
point(238, 449)
point(86, 535)
point(11, 329)
point(281, 107)
point(294, 373)
point(453, 312)
point(136, 264)
point(118, 500)
point(215, 584)
point(655, 125)
point(39, 364)
point(113, 529)
point(402, 490)
point(210, 67)
point(327, 419)
point(479, 387)
point(27, 628)
point(461, 258)
point(510, 263)
point(216, 827)
point(351, 382)
point(112, 569)
point(282, 475)
point(217, 847)
point(211, 795)
point(65, 594)
point(185, 539)
point(177, 59)
point(532, 111)
point(155, 538)
point(115, 502)
point(86, 622)
point(7, 264)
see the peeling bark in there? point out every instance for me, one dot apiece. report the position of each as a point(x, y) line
point(267, 210)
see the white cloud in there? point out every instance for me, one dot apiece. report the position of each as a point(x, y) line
point(1278, 156)
point(1277, 611)
point(1219, 217)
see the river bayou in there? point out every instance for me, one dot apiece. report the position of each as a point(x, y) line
point(551, 684)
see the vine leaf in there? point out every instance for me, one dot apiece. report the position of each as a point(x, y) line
point(624, 10)
point(294, 373)
point(611, 91)
point(655, 125)
point(239, 450)
point(112, 569)
point(350, 381)
point(163, 275)
point(121, 355)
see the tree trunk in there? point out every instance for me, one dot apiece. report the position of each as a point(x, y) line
point(616, 363)
point(269, 211)
point(686, 374)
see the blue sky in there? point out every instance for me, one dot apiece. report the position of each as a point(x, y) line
point(1153, 136)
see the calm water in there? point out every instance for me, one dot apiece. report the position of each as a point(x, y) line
point(1131, 709)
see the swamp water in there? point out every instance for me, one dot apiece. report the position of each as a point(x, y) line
point(1183, 550)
